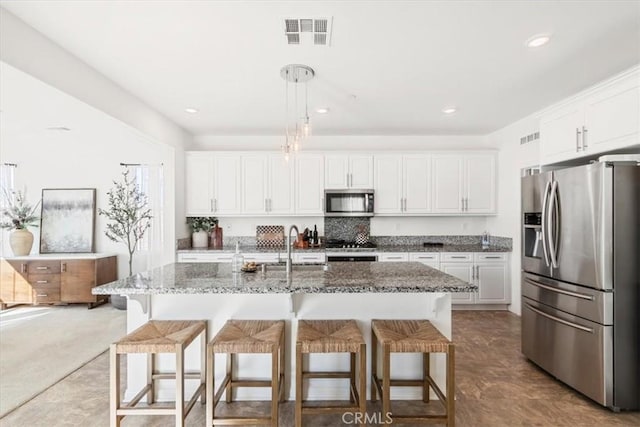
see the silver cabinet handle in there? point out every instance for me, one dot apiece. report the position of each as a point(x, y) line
point(211, 204)
point(63, 267)
point(42, 295)
point(477, 272)
point(559, 320)
point(584, 138)
point(491, 257)
point(42, 268)
point(394, 257)
point(266, 208)
point(459, 257)
point(559, 291)
point(401, 204)
point(578, 139)
point(405, 204)
point(42, 281)
point(426, 257)
point(270, 205)
point(215, 205)
point(462, 203)
point(23, 268)
point(466, 204)
point(473, 274)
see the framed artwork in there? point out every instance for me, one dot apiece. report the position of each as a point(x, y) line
point(67, 223)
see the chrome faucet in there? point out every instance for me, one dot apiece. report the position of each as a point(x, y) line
point(289, 244)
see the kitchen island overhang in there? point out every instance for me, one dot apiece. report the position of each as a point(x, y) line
point(360, 291)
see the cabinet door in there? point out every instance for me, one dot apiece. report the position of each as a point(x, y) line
point(280, 180)
point(336, 169)
point(227, 184)
point(493, 283)
point(463, 271)
point(388, 184)
point(416, 183)
point(480, 183)
point(559, 138)
point(447, 183)
point(309, 184)
point(361, 171)
point(612, 117)
point(254, 185)
point(77, 277)
point(198, 184)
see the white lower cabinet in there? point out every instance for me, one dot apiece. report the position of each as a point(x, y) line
point(393, 257)
point(308, 258)
point(490, 271)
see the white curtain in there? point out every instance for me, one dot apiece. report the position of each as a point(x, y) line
point(7, 186)
point(150, 181)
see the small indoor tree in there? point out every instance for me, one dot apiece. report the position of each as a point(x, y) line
point(129, 214)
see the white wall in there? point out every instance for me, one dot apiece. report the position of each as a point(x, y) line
point(87, 156)
point(28, 50)
point(512, 158)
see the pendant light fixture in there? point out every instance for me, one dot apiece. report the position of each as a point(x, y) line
point(297, 123)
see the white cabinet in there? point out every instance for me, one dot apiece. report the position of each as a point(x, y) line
point(309, 184)
point(490, 271)
point(432, 259)
point(348, 171)
point(601, 119)
point(267, 185)
point(309, 258)
point(402, 184)
point(464, 183)
point(205, 257)
point(393, 257)
point(212, 184)
point(492, 277)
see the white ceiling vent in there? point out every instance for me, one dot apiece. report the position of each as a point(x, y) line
point(307, 31)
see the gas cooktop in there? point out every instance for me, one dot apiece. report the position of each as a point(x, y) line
point(333, 244)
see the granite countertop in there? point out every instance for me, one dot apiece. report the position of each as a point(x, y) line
point(339, 277)
point(381, 248)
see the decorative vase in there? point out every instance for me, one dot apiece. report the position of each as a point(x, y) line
point(21, 241)
point(216, 238)
point(200, 239)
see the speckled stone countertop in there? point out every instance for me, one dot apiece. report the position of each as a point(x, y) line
point(340, 277)
point(381, 248)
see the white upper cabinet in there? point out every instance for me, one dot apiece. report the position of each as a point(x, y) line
point(601, 119)
point(464, 183)
point(309, 184)
point(402, 184)
point(267, 185)
point(212, 184)
point(348, 171)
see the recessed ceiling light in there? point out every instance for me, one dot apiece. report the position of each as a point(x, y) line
point(191, 110)
point(322, 110)
point(538, 40)
point(59, 128)
point(449, 110)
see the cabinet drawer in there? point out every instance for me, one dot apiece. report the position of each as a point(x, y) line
point(491, 257)
point(44, 280)
point(43, 267)
point(456, 257)
point(217, 257)
point(424, 257)
point(393, 257)
point(261, 257)
point(46, 292)
point(317, 258)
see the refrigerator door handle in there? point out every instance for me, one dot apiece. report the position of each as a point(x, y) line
point(553, 231)
point(559, 320)
point(545, 251)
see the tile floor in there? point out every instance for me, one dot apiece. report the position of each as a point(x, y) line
point(496, 386)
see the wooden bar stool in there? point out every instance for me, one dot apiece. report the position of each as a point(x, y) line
point(411, 336)
point(331, 336)
point(158, 336)
point(246, 336)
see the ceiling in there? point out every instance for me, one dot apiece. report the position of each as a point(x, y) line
point(391, 68)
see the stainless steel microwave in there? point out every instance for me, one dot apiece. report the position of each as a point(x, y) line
point(348, 202)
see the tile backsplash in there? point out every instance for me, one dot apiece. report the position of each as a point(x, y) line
point(345, 228)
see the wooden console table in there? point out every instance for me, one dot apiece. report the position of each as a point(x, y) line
point(55, 279)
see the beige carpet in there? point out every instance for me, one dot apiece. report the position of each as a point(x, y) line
point(41, 345)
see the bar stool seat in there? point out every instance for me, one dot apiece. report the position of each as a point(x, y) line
point(331, 336)
point(154, 337)
point(412, 336)
point(246, 336)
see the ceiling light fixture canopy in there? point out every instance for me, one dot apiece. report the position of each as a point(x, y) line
point(538, 40)
point(297, 124)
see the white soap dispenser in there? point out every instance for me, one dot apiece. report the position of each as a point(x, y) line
point(238, 260)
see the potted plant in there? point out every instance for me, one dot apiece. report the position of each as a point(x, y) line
point(200, 227)
point(17, 215)
point(130, 218)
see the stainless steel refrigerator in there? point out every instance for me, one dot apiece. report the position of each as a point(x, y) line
point(581, 278)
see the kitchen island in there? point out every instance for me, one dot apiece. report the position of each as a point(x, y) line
point(360, 291)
